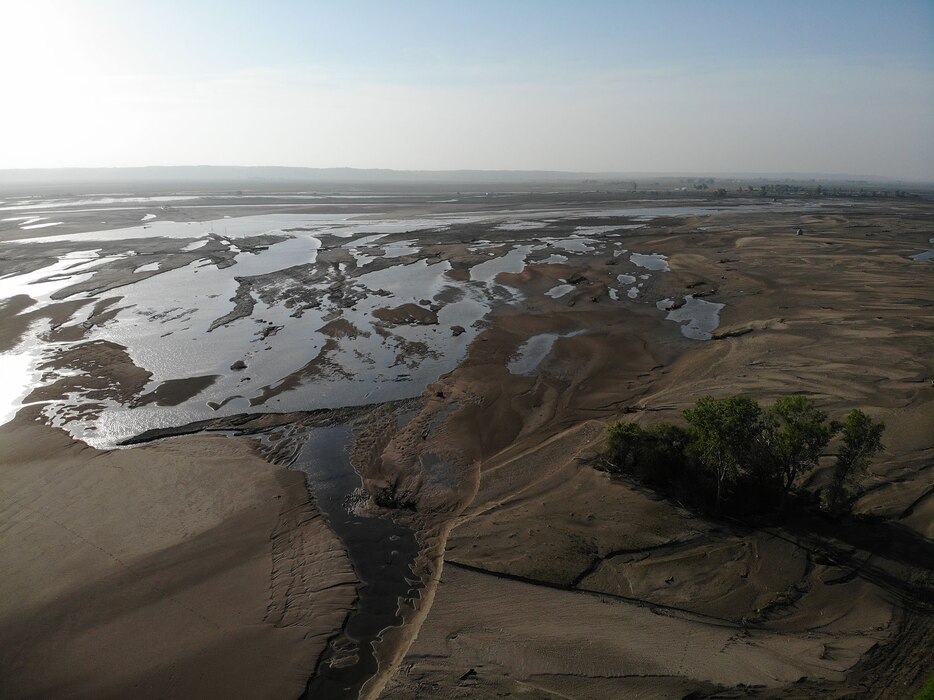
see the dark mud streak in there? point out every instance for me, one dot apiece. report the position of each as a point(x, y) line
point(598, 561)
point(655, 608)
point(247, 424)
point(243, 305)
point(917, 502)
point(382, 554)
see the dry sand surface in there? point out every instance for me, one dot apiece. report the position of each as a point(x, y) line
point(191, 569)
point(558, 582)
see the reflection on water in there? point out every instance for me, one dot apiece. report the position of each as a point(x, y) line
point(698, 318)
point(519, 225)
point(41, 284)
point(45, 224)
point(16, 368)
point(560, 290)
point(42, 204)
point(926, 256)
point(513, 261)
point(381, 552)
point(531, 353)
point(651, 261)
point(164, 321)
point(271, 304)
point(573, 245)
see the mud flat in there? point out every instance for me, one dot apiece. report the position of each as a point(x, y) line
point(544, 532)
point(191, 568)
point(438, 378)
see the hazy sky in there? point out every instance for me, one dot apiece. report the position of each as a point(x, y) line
point(815, 86)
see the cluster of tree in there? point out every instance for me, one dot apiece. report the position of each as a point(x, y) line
point(806, 190)
point(734, 456)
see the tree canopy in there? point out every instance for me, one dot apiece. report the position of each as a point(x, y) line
point(725, 434)
point(795, 432)
point(862, 440)
point(734, 455)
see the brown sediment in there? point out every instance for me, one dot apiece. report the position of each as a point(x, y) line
point(406, 314)
point(15, 320)
point(547, 544)
point(543, 576)
point(123, 271)
point(172, 392)
point(243, 305)
point(104, 369)
point(193, 555)
point(322, 364)
point(103, 311)
point(12, 325)
point(341, 328)
point(458, 274)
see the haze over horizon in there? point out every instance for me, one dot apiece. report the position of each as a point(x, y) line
point(839, 87)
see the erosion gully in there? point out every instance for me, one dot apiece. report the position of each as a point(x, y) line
point(382, 554)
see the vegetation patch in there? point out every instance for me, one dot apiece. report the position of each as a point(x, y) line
point(734, 457)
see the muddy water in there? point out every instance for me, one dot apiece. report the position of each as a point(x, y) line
point(167, 320)
point(698, 318)
point(533, 352)
point(381, 552)
point(650, 261)
point(926, 256)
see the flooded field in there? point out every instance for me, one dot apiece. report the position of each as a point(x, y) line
point(284, 311)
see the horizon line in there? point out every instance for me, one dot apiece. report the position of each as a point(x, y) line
point(587, 174)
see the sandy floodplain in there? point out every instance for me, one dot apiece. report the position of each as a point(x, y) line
point(351, 453)
point(192, 569)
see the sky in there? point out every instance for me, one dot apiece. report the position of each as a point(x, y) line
point(831, 87)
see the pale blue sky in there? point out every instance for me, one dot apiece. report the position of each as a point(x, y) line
point(831, 87)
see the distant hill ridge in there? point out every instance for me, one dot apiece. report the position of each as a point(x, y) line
point(226, 173)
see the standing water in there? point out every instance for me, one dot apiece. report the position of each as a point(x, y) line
point(382, 554)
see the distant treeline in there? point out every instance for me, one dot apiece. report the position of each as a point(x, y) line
point(778, 191)
point(735, 457)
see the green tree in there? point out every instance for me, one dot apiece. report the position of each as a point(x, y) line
point(862, 440)
point(625, 445)
point(726, 434)
point(655, 456)
point(795, 433)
